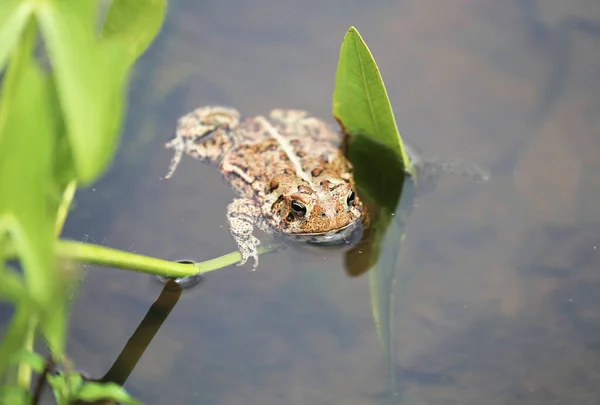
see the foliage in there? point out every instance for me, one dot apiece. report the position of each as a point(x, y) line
point(360, 100)
point(70, 387)
point(361, 105)
point(58, 127)
point(381, 168)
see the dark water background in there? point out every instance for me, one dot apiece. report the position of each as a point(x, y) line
point(504, 302)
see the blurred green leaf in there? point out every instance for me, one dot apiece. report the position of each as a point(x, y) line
point(26, 152)
point(15, 334)
point(56, 129)
point(65, 386)
point(13, 17)
point(360, 101)
point(34, 360)
point(54, 324)
point(26, 148)
point(15, 395)
point(70, 387)
point(134, 22)
point(93, 391)
point(90, 76)
point(12, 287)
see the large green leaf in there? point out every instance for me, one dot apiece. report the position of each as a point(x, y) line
point(26, 149)
point(134, 22)
point(91, 72)
point(381, 165)
point(54, 129)
point(13, 17)
point(26, 154)
point(360, 100)
point(90, 76)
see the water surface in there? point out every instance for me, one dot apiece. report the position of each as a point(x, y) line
point(503, 300)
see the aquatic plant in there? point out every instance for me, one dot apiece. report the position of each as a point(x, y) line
point(62, 104)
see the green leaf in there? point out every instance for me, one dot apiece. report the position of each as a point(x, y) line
point(12, 287)
point(374, 146)
point(134, 22)
point(13, 17)
point(93, 391)
point(360, 101)
point(15, 395)
point(90, 76)
point(34, 360)
point(26, 148)
point(26, 153)
point(55, 323)
point(15, 334)
point(378, 170)
point(71, 387)
point(65, 386)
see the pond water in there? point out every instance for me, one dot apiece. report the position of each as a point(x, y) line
point(497, 294)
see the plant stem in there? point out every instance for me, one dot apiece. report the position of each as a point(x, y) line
point(65, 204)
point(24, 371)
point(105, 256)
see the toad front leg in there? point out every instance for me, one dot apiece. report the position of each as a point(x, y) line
point(242, 215)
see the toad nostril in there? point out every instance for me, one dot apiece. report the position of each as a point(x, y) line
point(323, 215)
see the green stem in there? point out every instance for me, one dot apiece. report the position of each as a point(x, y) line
point(65, 204)
point(24, 370)
point(105, 256)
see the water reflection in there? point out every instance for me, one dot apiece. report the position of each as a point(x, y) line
point(483, 317)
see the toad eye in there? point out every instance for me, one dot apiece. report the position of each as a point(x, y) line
point(298, 208)
point(351, 197)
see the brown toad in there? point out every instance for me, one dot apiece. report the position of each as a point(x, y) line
point(291, 176)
